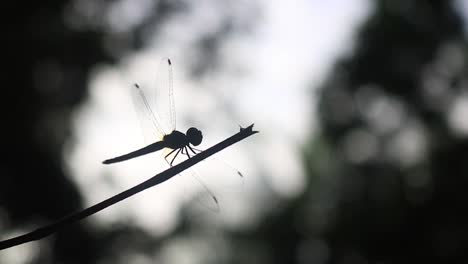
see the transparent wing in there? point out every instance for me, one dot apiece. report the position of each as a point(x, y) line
point(217, 185)
point(201, 194)
point(154, 104)
point(171, 96)
point(221, 176)
point(210, 183)
point(163, 96)
point(195, 189)
point(151, 126)
point(209, 180)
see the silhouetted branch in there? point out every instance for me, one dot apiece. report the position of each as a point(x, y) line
point(155, 180)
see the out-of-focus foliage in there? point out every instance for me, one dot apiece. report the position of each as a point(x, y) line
point(389, 113)
point(387, 174)
point(50, 47)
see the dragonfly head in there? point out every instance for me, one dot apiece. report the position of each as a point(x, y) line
point(194, 136)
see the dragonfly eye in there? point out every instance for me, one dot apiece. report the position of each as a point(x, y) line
point(194, 136)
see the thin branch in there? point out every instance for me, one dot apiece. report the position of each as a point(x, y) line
point(155, 180)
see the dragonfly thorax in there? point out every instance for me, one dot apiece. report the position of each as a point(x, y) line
point(177, 139)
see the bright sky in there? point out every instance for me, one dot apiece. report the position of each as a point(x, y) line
point(287, 56)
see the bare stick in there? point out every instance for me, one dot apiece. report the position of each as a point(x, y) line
point(153, 181)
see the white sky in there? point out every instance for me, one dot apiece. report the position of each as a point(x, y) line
point(288, 55)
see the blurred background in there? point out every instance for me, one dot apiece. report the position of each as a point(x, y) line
point(362, 108)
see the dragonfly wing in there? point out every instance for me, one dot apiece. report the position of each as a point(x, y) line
point(202, 194)
point(171, 96)
point(163, 100)
point(149, 120)
point(215, 184)
point(223, 179)
point(196, 190)
point(210, 182)
point(222, 176)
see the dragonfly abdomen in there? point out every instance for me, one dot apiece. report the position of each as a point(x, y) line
point(140, 152)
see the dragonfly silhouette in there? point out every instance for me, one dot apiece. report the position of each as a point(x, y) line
point(170, 138)
point(175, 140)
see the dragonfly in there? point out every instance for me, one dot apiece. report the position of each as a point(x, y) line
point(173, 141)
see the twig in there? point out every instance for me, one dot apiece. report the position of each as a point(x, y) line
point(153, 181)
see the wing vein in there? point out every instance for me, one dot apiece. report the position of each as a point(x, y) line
point(149, 110)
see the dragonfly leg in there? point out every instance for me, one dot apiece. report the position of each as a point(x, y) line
point(165, 157)
point(175, 156)
point(192, 149)
point(186, 152)
point(170, 153)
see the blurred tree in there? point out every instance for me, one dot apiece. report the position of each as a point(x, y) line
point(386, 114)
point(388, 172)
point(50, 48)
point(45, 68)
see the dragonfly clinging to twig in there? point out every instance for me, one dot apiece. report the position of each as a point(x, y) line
point(174, 141)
